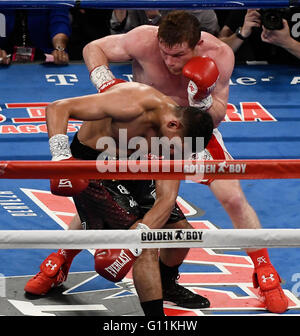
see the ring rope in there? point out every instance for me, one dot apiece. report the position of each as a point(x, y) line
point(93, 239)
point(149, 4)
point(151, 169)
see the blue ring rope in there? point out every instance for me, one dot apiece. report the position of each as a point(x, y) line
point(150, 4)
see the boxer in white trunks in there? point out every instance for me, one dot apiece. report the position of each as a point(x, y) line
point(180, 61)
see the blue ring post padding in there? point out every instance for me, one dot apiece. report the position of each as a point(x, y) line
point(149, 4)
point(188, 4)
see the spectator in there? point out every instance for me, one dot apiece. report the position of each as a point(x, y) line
point(208, 20)
point(222, 14)
point(30, 34)
point(251, 41)
point(87, 25)
point(124, 20)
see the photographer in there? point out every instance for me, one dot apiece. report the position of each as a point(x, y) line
point(264, 35)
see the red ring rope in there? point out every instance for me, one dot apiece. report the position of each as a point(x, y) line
point(151, 169)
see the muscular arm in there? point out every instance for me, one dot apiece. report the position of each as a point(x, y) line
point(166, 194)
point(209, 76)
point(99, 53)
point(124, 102)
point(219, 106)
point(118, 48)
point(225, 63)
point(112, 48)
point(81, 108)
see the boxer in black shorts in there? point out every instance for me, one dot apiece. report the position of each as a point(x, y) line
point(142, 112)
point(114, 204)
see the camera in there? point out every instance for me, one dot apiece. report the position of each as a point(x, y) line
point(272, 18)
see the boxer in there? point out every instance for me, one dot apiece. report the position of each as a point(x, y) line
point(143, 112)
point(194, 68)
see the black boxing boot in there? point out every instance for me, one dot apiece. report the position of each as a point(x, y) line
point(175, 293)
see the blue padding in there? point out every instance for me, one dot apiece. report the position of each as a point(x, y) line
point(262, 140)
point(186, 4)
point(144, 4)
point(269, 84)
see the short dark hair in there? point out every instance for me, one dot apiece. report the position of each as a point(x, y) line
point(196, 124)
point(178, 27)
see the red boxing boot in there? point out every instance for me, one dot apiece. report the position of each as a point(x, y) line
point(53, 272)
point(267, 279)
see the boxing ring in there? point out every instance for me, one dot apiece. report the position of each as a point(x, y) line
point(260, 131)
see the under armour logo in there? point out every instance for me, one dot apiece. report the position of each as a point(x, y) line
point(261, 260)
point(271, 277)
point(49, 264)
point(65, 183)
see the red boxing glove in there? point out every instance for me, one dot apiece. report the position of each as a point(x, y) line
point(67, 187)
point(113, 265)
point(204, 72)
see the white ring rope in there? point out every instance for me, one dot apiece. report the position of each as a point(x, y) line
point(91, 239)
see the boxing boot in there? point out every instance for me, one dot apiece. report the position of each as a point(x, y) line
point(53, 272)
point(267, 279)
point(175, 293)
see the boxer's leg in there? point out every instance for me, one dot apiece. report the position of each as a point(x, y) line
point(230, 194)
point(243, 216)
point(170, 260)
point(43, 281)
point(75, 223)
point(147, 281)
point(175, 256)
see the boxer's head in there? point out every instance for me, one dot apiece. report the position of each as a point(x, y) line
point(178, 34)
point(196, 124)
point(186, 128)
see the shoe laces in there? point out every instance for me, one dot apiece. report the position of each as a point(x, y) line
point(37, 275)
point(61, 276)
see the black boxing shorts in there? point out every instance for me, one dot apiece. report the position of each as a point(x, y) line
point(144, 192)
point(114, 204)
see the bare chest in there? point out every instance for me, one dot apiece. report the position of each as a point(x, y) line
point(155, 74)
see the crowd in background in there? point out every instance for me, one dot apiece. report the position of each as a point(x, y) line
point(59, 35)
